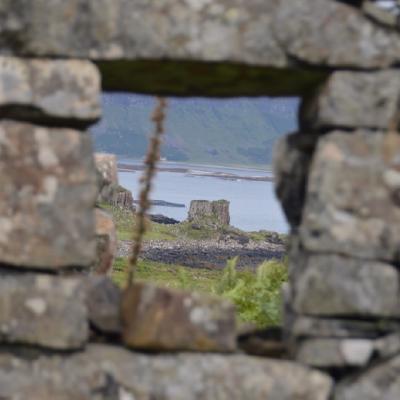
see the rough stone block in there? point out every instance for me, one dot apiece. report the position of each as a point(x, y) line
point(260, 33)
point(112, 373)
point(56, 378)
point(103, 299)
point(291, 164)
point(303, 326)
point(352, 203)
point(333, 34)
point(333, 285)
point(48, 190)
point(164, 319)
point(106, 240)
point(43, 310)
point(379, 382)
point(354, 100)
point(47, 90)
point(335, 353)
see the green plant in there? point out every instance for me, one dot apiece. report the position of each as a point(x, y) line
point(257, 296)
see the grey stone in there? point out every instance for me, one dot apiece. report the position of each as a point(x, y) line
point(352, 203)
point(103, 300)
point(379, 382)
point(48, 190)
point(381, 14)
point(55, 378)
point(333, 285)
point(333, 352)
point(333, 34)
point(304, 326)
point(387, 346)
point(291, 163)
point(204, 377)
point(185, 37)
point(157, 319)
point(257, 32)
point(353, 100)
point(209, 212)
point(43, 310)
point(67, 91)
point(111, 373)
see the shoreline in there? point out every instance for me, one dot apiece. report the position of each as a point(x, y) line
point(207, 254)
point(197, 173)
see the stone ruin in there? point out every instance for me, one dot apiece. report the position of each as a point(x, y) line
point(214, 213)
point(338, 179)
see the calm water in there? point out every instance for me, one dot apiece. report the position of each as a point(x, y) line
point(253, 205)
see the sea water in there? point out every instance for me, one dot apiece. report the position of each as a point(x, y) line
point(253, 204)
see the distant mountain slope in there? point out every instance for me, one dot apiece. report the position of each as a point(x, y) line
point(232, 131)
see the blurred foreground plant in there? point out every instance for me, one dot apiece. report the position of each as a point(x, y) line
point(257, 296)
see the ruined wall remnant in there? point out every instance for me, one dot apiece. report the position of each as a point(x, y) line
point(209, 212)
point(338, 179)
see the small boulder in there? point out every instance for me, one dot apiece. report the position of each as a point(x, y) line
point(43, 310)
point(157, 319)
point(103, 300)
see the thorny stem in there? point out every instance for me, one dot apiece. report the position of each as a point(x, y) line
point(152, 157)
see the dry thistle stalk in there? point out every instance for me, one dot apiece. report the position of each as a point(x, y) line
point(152, 157)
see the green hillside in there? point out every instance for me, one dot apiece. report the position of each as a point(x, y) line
point(239, 131)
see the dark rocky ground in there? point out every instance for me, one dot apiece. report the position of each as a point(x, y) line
point(206, 253)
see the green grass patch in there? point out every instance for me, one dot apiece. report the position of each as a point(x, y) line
point(257, 295)
point(172, 276)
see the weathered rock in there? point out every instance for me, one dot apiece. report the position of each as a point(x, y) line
point(103, 300)
point(335, 353)
point(354, 100)
point(106, 242)
point(112, 373)
point(164, 319)
point(345, 352)
point(333, 34)
point(381, 14)
point(256, 32)
point(215, 213)
point(43, 310)
point(291, 165)
point(122, 198)
point(333, 285)
point(162, 219)
point(55, 91)
point(106, 166)
point(303, 326)
point(56, 378)
point(48, 189)
point(379, 382)
point(353, 204)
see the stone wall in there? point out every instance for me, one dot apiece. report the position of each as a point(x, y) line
point(337, 179)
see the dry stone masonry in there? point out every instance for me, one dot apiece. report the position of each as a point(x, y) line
point(338, 179)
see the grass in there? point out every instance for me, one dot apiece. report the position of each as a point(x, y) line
point(257, 296)
point(172, 276)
